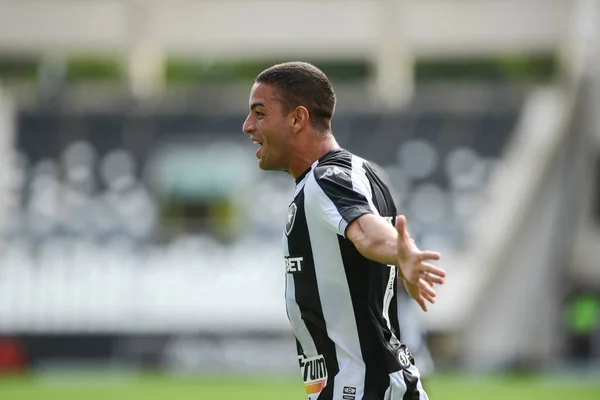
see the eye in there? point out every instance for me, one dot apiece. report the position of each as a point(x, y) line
point(258, 114)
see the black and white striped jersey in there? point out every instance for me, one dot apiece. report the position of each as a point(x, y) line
point(341, 306)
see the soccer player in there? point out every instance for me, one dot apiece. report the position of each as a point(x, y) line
point(344, 246)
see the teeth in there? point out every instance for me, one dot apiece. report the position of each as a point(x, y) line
point(255, 142)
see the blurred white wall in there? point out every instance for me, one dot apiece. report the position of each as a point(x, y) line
point(389, 32)
point(262, 28)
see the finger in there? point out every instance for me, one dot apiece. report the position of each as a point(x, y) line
point(430, 277)
point(432, 269)
point(426, 288)
point(421, 301)
point(429, 255)
point(429, 298)
point(427, 291)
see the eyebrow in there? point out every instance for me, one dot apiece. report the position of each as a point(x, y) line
point(254, 105)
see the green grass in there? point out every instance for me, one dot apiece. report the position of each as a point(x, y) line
point(450, 387)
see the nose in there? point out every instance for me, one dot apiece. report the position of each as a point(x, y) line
point(248, 126)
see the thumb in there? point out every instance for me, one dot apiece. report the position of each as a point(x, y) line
point(401, 225)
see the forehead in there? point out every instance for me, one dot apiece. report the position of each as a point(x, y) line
point(263, 94)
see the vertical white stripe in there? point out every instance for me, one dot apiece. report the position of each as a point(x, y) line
point(387, 301)
point(335, 298)
point(301, 184)
point(397, 388)
point(298, 326)
point(360, 182)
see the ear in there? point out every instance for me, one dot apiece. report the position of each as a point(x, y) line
point(299, 118)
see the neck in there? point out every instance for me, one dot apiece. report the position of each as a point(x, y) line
point(314, 150)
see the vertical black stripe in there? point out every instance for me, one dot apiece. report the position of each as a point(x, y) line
point(384, 202)
point(394, 318)
point(367, 282)
point(307, 295)
point(412, 393)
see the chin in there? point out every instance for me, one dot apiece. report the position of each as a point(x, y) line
point(262, 165)
point(265, 166)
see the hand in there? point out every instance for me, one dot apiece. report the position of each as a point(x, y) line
point(420, 295)
point(422, 292)
point(418, 274)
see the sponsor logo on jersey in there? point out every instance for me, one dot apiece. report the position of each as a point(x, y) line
point(331, 172)
point(349, 390)
point(314, 375)
point(293, 265)
point(290, 219)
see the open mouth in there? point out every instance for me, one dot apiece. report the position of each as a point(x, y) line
point(259, 149)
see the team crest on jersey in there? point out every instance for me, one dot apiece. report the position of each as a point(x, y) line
point(405, 357)
point(291, 218)
point(314, 375)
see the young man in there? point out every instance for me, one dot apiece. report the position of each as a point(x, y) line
point(343, 245)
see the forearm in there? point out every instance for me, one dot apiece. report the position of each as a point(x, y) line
point(375, 239)
point(380, 249)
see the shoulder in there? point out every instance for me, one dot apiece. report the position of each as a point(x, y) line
point(331, 175)
point(339, 169)
point(336, 164)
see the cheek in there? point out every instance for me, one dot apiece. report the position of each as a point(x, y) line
point(274, 135)
point(264, 128)
point(268, 132)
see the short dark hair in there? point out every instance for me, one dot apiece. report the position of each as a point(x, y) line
point(302, 84)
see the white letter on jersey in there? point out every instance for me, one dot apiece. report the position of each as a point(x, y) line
point(293, 264)
point(314, 375)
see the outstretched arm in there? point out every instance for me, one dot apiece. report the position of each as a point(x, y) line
point(379, 241)
point(340, 198)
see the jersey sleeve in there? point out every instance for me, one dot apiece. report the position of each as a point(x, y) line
point(338, 196)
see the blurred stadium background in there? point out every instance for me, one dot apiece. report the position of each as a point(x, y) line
point(140, 251)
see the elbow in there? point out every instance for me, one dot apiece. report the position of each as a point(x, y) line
point(361, 245)
point(365, 237)
point(357, 237)
point(367, 246)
